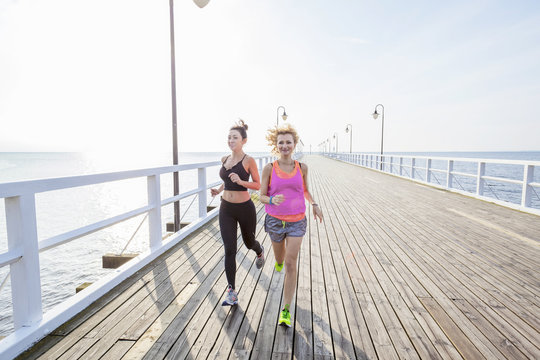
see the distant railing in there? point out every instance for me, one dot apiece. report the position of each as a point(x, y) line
point(30, 323)
point(479, 185)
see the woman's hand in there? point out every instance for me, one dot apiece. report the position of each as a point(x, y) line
point(317, 212)
point(235, 178)
point(278, 199)
point(214, 191)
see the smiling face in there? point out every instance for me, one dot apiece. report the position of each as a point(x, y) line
point(235, 140)
point(285, 144)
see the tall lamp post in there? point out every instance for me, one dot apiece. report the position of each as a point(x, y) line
point(284, 116)
point(201, 4)
point(347, 129)
point(336, 137)
point(375, 116)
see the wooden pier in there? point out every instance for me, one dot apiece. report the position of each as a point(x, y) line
point(397, 270)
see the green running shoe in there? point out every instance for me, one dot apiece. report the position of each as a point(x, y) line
point(285, 318)
point(278, 267)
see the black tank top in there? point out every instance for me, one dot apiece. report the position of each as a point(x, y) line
point(239, 169)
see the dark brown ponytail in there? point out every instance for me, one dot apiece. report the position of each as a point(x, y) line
point(241, 127)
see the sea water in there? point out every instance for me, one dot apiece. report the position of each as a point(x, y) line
point(65, 267)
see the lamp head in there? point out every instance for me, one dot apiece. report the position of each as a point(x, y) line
point(201, 3)
point(347, 129)
point(375, 114)
point(284, 116)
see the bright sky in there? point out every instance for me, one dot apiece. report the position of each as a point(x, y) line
point(95, 75)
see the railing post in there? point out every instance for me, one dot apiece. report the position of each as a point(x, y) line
point(21, 227)
point(526, 193)
point(391, 163)
point(479, 180)
point(400, 166)
point(449, 176)
point(428, 170)
point(202, 191)
point(154, 215)
point(413, 162)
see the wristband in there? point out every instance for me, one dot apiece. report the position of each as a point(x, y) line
point(314, 204)
point(270, 201)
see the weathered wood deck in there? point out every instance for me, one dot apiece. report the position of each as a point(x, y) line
point(396, 271)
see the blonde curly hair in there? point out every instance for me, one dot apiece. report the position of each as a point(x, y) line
point(272, 134)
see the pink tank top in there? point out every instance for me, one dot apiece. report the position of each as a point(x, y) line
point(291, 186)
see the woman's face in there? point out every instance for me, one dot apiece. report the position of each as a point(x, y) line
point(235, 140)
point(285, 144)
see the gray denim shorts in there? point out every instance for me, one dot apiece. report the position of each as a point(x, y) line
point(279, 230)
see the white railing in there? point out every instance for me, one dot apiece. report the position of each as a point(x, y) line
point(22, 255)
point(421, 169)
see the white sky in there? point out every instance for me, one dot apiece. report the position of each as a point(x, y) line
point(95, 75)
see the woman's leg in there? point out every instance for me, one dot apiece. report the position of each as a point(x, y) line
point(248, 224)
point(279, 251)
point(292, 248)
point(227, 225)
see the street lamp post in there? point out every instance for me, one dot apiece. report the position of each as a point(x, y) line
point(349, 126)
point(284, 116)
point(375, 116)
point(336, 137)
point(201, 4)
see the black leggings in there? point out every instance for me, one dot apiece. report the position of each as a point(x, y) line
point(231, 214)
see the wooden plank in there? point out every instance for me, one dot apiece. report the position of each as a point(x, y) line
point(167, 290)
point(337, 279)
point(322, 338)
point(343, 232)
point(118, 350)
point(161, 347)
point(187, 330)
point(506, 347)
point(410, 248)
point(221, 329)
point(110, 306)
point(247, 333)
point(462, 343)
point(267, 328)
point(473, 293)
point(303, 334)
point(485, 340)
point(223, 345)
point(380, 337)
point(41, 348)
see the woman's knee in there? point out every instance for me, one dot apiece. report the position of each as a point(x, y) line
point(290, 264)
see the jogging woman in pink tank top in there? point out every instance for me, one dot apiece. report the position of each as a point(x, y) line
point(284, 189)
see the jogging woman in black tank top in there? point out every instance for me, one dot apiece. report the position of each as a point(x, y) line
point(236, 205)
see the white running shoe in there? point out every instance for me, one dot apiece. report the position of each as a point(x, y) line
point(231, 298)
point(260, 259)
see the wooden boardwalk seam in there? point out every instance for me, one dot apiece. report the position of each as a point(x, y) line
point(395, 271)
